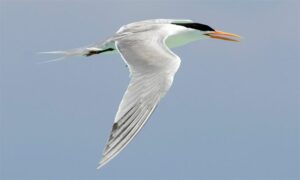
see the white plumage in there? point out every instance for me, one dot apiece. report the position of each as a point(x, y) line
point(144, 46)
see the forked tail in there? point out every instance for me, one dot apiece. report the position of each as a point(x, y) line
point(75, 52)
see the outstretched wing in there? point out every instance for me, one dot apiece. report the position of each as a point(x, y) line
point(152, 66)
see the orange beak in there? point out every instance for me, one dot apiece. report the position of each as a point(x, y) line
point(223, 35)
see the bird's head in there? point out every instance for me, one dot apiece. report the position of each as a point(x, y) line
point(207, 31)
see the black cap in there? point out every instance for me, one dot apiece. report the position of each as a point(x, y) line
point(198, 26)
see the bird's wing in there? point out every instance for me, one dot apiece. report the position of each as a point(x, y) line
point(152, 66)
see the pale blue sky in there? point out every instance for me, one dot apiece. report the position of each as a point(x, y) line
point(232, 113)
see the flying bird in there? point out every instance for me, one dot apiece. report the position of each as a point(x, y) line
point(145, 48)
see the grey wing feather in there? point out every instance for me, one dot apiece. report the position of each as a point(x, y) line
point(152, 66)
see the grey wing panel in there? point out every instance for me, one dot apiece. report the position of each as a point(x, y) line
point(152, 68)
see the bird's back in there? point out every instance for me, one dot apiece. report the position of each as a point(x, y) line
point(140, 24)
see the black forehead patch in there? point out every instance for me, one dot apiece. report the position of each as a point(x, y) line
point(198, 26)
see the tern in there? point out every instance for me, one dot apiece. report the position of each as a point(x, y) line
point(145, 48)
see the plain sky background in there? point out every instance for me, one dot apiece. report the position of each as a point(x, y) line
point(232, 114)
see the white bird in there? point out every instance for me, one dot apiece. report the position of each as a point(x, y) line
point(145, 48)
